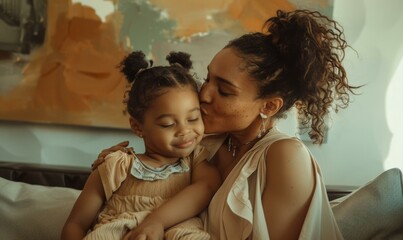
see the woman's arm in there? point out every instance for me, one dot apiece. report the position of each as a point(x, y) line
point(85, 209)
point(289, 187)
point(186, 204)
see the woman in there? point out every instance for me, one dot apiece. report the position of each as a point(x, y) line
point(272, 186)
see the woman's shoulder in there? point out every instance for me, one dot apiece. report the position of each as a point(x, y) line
point(287, 154)
point(281, 143)
point(288, 145)
point(289, 149)
point(290, 163)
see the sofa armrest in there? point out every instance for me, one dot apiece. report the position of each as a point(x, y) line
point(338, 191)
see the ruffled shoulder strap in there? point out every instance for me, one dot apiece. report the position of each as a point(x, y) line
point(232, 201)
point(238, 187)
point(114, 170)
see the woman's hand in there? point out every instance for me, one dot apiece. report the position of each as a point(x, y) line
point(122, 146)
point(148, 230)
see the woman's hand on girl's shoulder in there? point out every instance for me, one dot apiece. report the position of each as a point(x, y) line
point(122, 146)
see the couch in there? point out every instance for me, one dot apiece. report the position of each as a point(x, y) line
point(35, 200)
point(75, 177)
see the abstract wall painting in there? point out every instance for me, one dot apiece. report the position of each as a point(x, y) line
point(72, 76)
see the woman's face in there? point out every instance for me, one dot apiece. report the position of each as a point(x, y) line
point(228, 97)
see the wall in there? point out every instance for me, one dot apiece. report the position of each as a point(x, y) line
point(361, 137)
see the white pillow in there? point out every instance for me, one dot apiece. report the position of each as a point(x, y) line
point(374, 211)
point(33, 211)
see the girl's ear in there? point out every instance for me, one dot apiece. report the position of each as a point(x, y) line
point(271, 106)
point(136, 127)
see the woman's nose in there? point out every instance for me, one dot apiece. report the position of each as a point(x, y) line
point(204, 94)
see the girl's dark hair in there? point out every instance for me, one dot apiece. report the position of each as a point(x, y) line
point(299, 59)
point(148, 82)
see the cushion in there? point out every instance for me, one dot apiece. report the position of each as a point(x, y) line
point(33, 212)
point(374, 211)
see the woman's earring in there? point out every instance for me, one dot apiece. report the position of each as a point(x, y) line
point(263, 116)
point(263, 125)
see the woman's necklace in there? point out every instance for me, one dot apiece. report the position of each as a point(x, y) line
point(233, 148)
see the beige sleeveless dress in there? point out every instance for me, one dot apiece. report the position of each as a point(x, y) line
point(236, 210)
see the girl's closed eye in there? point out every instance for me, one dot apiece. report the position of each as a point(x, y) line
point(167, 125)
point(195, 119)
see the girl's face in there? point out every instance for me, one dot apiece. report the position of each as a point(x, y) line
point(172, 125)
point(228, 97)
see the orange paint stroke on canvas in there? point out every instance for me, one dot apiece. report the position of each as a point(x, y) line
point(82, 53)
point(195, 17)
point(75, 72)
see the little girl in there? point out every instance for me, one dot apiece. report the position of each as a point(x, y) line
point(164, 110)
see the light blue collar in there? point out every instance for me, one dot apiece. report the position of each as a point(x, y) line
point(144, 172)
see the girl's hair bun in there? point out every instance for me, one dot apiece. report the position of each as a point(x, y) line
point(133, 64)
point(181, 58)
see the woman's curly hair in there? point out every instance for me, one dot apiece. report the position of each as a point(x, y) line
point(298, 58)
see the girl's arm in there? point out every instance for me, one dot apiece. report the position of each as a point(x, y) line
point(186, 204)
point(289, 187)
point(85, 209)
